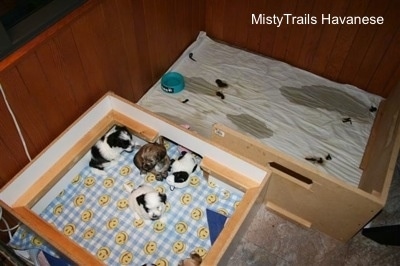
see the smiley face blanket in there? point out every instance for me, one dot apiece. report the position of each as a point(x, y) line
point(93, 211)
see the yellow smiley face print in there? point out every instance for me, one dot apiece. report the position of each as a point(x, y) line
point(150, 178)
point(79, 200)
point(159, 226)
point(138, 223)
point(203, 232)
point(112, 223)
point(76, 179)
point(150, 248)
point(223, 212)
point(89, 181)
point(162, 262)
point(121, 238)
point(160, 189)
point(166, 145)
point(58, 209)
point(36, 241)
point(87, 215)
point(211, 184)
point(226, 194)
point(62, 192)
point(122, 204)
point(103, 253)
point(181, 227)
point(104, 200)
point(108, 182)
point(69, 229)
point(178, 247)
point(196, 214)
point(125, 258)
point(125, 170)
point(167, 206)
point(194, 181)
point(201, 251)
point(89, 233)
point(130, 184)
point(186, 199)
point(212, 198)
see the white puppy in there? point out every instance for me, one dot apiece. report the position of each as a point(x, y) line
point(146, 202)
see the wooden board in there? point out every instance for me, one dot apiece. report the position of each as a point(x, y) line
point(305, 195)
point(53, 164)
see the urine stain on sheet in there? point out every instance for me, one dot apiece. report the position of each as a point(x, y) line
point(330, 99)
point(200, 86)
point(172, 118)
point(251, 125)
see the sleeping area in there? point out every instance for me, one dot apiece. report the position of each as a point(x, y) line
point(78, 213)
point(233, 116)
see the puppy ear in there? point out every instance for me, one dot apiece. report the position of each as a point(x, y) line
point(161, 153)
point(181, 176)
point(163, 197)
point(171, 162)
point(196, 257)
point(182, 155)
point(194, 168)
point(140, 200)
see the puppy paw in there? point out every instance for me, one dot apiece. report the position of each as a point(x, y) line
point(97, 171)
point(159, 178)
point(137, 216)
point(163, 219)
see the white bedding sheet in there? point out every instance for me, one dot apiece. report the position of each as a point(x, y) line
point(289, 109)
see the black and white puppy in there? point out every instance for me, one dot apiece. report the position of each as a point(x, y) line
point(146, 202)
point(180, 170)
point(110, 146)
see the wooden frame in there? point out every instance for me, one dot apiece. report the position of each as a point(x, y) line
point(314, 199)
point(29, 191)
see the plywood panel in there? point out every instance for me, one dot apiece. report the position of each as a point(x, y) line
point(12, 153)
point(253, 40)
point(120, 46)
point(344, 40)
point(364, 34)
point(327, 38)
point(297, 33)
point(26, 111)
point(282, 36)
point(214, 18)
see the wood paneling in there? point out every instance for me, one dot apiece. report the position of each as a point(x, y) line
point(125, 46)
point(106, 45)
point(366, 56)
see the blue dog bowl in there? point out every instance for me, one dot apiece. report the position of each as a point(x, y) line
point(172, 82)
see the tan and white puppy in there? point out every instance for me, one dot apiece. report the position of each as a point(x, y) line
point(153, 158)
point(146, 202)
point(194, 260)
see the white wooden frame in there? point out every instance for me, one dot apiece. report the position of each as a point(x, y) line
point(26, 194)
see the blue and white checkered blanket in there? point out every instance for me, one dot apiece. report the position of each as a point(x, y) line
point(93, 211)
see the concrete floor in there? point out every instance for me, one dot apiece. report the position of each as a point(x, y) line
point(272, 240)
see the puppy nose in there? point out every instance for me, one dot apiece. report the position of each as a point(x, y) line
point(155, 217)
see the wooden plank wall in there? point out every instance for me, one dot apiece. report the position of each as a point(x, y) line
point(367, 56)
point(106, 45)
point(126, 45)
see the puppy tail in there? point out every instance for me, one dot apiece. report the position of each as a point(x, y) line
point(136, 145)
point(128, 188)
point(160, 140)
